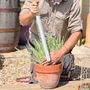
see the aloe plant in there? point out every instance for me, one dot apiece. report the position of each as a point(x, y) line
point(53, 43)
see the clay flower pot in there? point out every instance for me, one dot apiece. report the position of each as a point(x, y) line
point(48, 76)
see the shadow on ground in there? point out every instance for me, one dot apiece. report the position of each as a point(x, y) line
point(78, 74)
point(1, 61)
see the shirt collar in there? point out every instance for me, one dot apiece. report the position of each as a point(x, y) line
point(57, 2)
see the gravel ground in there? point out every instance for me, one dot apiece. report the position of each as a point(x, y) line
point(14, 65)
point(82, 62)
point(17, 64)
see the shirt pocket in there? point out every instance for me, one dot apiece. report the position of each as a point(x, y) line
point(61, 21)
point(43, 13)
point(60, 15)
point(45, 10)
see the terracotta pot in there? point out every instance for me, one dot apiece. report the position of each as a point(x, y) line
point(87, 43)
point(48, 76)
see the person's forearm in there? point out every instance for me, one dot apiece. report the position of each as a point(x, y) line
point(70, 43)
point(26, 18)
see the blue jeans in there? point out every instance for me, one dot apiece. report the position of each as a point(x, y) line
point(68, 66)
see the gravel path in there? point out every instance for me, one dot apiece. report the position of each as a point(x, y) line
point(17, 64)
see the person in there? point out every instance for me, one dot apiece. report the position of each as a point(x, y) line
point(59, 18)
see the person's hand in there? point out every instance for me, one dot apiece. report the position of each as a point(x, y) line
point(34, 7)
point(54, 59)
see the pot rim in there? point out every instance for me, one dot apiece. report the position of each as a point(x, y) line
point(39, 68)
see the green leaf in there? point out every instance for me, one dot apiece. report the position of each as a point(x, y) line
point(53, 43)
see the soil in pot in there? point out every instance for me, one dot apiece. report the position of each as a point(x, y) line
point(48, 76)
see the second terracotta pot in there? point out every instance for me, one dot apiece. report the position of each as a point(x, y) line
point(48, 76)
